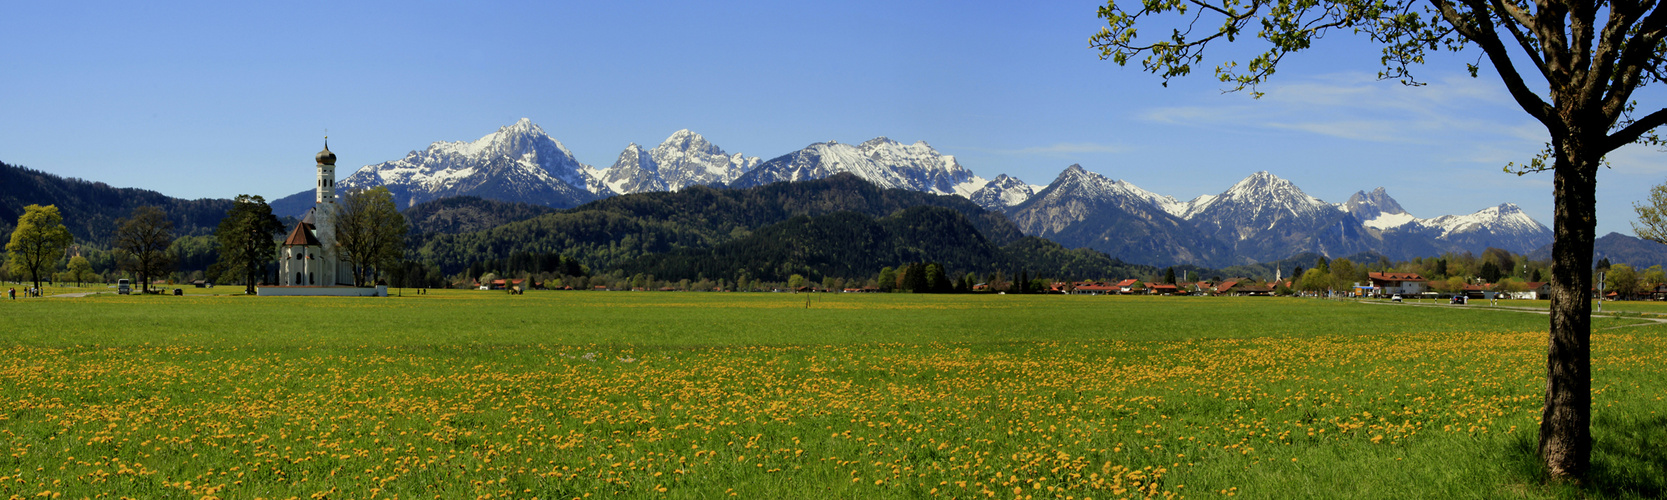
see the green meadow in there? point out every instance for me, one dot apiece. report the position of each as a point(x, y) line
point(467, 394)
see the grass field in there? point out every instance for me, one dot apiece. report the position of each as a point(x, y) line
point(680, 395)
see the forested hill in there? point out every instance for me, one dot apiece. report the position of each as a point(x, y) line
point(90, 209)
point(465, 214)
point(608, 234)
point(853, 245)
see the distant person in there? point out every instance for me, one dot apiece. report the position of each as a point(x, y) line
point(12, 292)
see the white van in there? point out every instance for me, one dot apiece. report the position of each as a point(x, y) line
point(123, 288)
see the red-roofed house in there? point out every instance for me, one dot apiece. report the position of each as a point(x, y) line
point(1094, 288)
point(1163, 289)
point(1386, 284)
point(1130, 285)
point(1534, 290)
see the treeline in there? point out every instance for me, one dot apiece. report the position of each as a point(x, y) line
point(610, 234)
point(90, 209)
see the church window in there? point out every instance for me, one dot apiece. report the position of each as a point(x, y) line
point(309, 278)
point(297, 279)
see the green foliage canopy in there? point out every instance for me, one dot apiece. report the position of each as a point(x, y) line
point(142, 243)
point(245, 237)
point(37, 241)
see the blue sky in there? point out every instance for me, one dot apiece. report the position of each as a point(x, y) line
point(216, 99)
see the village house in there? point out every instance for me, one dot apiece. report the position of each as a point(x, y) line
point(1163, 289)
point(1386, 284)
point(1534, 290)
point(1094, 288)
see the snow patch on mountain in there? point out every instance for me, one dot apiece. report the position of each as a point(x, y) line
point(1389, 221)
point(1258, 203)
point(1001, 192)
point(1507, 218)
point(518, 162)
point(682, 160)
point(882, 161)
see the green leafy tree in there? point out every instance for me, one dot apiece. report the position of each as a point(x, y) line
point(1654, 277)
point(246, 241)
point(1510, 286)
point(1652, 216)
point(1591, 57)
point(887, 279)
point(1623, 280)
point(80, 269)
point(796, 281)
point(1455, 285)
point(370, 232)
point(1343, 276)
point(1169, 275)
point(142, 243)
point(38, 240)
point(1314, 281)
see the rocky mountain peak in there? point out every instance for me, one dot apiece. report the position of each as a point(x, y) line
point(881, 141)
point(1374, 206)
point(688, 141)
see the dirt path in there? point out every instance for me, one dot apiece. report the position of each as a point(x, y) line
point(1648, 320)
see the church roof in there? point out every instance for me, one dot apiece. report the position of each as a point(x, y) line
point(301, 235)
point(308, 219)
point(325, 157)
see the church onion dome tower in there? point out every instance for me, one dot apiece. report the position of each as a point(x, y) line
point(325, 157)
point(326, 174)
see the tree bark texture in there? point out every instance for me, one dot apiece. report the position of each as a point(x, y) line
point(1565, 424)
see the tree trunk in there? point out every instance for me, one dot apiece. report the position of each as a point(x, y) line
point(1565, 425)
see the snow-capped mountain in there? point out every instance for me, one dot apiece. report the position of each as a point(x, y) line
point(1376, 209)
point(1082, 208)
point(684, 159)
point(1261, 218)
point(882, 161)
point(518, 162)
point(1504, 226)
point(1002, 192)
point(1258, 203)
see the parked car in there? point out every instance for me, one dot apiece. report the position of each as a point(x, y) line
point(1395, 298)
point(123, 287)
point(1459, 299)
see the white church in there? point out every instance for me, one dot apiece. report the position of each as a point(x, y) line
point(308, 260)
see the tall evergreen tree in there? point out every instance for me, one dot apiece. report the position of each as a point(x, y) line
point(936, 281)
point(914, 278)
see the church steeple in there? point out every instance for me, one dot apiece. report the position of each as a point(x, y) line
point(326, 174)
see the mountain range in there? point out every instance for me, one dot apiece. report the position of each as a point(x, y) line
point(629, 231)
point(1260, 218)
